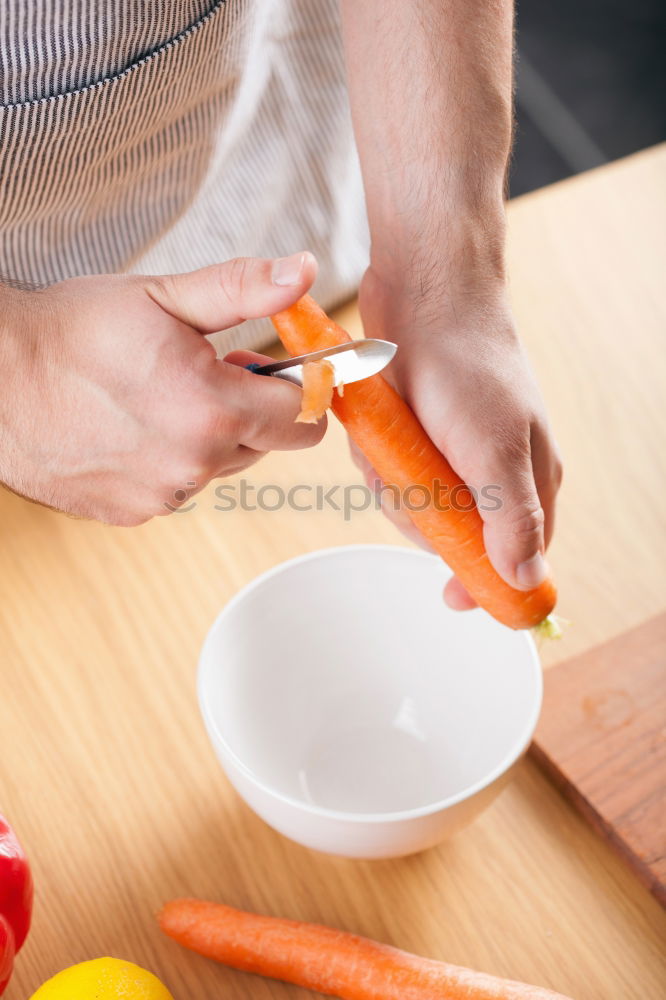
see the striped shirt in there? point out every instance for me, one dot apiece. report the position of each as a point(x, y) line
point(155, 137)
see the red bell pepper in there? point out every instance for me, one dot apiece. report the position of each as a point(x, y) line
point(15, 900)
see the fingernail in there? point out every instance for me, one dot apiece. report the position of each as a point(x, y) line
point(288, 270)
point(532, 572)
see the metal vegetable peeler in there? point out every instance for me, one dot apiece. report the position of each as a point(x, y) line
point(351, 362)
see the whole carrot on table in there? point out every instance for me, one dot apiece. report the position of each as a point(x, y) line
point(327, 960)
point(390, 436)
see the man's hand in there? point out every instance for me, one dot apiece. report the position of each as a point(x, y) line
point(431, 98)
point(113, 403)
point(466, 376)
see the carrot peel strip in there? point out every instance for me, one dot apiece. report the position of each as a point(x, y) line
point(318, 385)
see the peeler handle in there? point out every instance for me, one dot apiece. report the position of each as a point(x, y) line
point(288, 375)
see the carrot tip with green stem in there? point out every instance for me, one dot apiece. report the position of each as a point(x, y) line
point(330, 961)
point(552, 627)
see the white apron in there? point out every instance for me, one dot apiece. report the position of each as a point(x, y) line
point(153, 137)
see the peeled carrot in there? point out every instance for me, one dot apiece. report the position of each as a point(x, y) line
point(318, 385)
point(396, 445)
point(329, 961)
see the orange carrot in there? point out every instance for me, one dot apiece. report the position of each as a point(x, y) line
point(330, 961)
point(396, 445)
point(318, 385)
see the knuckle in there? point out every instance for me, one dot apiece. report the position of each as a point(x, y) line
point(242, 458)
point(158, 287)
point(169, 499)
point(558, 472)
point(192, 476)
point(527, 523)
point(210, 424)
point(513, 449)
point(549, 479)
point(233, 279)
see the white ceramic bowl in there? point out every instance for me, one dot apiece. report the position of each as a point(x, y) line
point(357, 714)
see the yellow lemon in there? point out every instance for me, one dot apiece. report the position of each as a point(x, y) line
point(103, 979)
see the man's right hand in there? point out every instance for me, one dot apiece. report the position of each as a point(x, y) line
point(113, 404)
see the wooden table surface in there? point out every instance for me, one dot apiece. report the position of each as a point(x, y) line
point(105, 768)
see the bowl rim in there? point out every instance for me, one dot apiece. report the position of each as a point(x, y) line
point(518, 747)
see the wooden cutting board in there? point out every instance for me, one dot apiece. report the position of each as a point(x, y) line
point(602, 739)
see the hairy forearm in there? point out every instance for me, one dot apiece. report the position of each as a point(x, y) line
point(431, 93)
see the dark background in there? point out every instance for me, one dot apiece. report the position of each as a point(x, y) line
point(590, 85)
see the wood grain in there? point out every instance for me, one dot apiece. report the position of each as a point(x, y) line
point(105, 768)
point(587, 268)
point(602, 739)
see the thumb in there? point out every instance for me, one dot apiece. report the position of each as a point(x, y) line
point(509, 505)
point(223, 295)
